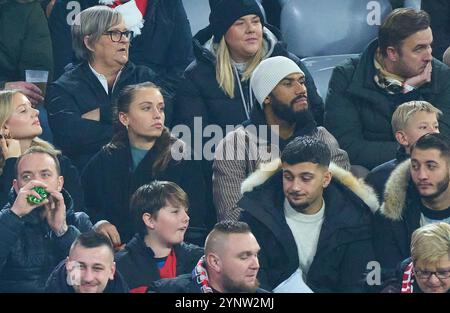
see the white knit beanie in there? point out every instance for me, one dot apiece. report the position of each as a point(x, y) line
point(269, 73)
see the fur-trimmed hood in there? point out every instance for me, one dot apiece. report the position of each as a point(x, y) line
point(357, 186)
point(395, 192)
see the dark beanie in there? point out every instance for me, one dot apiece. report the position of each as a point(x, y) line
point(225, 12)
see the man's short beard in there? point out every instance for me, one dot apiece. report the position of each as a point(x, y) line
point(441, 187)
point(230, 286)
point(300, 208)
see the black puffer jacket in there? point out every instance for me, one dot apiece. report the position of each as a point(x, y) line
point(138, 266)
point(29, 250)
point(57, 282)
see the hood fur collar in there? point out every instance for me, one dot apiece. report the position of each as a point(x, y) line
point(395, 191)
point(363, 191)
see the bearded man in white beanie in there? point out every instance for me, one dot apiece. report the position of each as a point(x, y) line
point(281, 114)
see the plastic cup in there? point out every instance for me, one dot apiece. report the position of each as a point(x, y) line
point(39, 78)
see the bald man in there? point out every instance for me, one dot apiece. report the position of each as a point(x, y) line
point(230, 264)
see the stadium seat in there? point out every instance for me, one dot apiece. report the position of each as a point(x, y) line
point(198, 14)
point(321, 69)
point(416, 4)
point(325, 33)
point(324, 27)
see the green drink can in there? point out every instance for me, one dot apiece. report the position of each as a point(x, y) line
point(34, 200)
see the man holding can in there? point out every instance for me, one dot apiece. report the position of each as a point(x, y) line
point(36, 228)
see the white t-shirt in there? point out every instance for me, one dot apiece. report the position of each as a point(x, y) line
point(306, 230)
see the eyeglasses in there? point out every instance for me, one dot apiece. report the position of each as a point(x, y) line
point(442, 274)
point(116, 35)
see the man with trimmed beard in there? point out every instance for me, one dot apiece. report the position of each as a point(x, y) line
point(230, 264)
point(281, 114)
point(416, 194)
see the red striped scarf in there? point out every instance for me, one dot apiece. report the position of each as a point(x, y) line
point(408, 279)
point(200, 275)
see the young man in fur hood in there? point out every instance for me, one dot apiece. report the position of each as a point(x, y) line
point(310, 216)
point(416, 194)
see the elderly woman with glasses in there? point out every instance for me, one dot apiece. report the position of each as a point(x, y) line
point(428, 268)
point(79, 102)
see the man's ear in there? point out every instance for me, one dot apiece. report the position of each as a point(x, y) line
point(60, 183)
point(16, 186)
point(401, 138)
point(113, 271)
point(392, 54)
point(326, 179)
point(214, 262)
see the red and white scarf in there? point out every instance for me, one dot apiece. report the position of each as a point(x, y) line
point(200, 275)
point(132, 12)
point(408, 279)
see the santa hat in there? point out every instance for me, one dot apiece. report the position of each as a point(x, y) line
point(132, 13)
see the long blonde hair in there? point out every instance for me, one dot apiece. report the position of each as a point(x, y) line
point(224, 70)
point(6, 110)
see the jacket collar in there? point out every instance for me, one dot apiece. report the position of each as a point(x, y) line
point(399, 191)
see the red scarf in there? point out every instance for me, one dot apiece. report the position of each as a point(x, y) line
point(169, 270)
